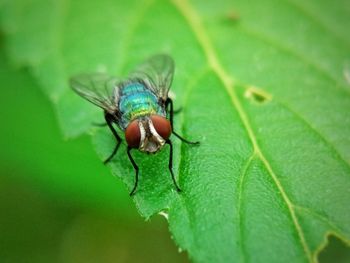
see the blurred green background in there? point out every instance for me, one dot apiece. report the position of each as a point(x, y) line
point(42, 218)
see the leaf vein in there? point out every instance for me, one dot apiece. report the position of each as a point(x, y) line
point(239, 208)
point(193, 19)
point(321, 217)
point(322, 137)
point(339, 157)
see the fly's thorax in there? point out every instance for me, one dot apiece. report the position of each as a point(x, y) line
point(136, 101)
point(148, 133)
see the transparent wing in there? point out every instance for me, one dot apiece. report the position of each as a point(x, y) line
point(98, 88)
point(158, 72)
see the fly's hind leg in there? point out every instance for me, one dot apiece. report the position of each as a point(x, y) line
point(169, 102)
point(109, 121)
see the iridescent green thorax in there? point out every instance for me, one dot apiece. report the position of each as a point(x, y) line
point(136, 101)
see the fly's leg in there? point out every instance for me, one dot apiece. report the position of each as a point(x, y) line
point(171, 113)
point(171, 165)
point(109, 121)
point(136, 168)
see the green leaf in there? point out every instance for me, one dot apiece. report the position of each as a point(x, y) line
point(264, 85)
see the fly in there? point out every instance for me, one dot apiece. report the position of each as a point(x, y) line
point(138, 105)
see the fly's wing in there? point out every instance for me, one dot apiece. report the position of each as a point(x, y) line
point(157, 72)
point(100, 89)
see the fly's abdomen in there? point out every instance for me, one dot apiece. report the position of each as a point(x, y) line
point(136, 100)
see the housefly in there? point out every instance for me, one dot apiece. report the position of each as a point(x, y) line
point(138, 105)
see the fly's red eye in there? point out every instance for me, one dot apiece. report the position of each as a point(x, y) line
point(162, 126)
point(133, 135)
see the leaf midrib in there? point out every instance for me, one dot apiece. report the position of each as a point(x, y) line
point(194, 22)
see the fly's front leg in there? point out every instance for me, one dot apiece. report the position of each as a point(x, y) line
point(136, 168)
point(171, 165)
point(171, 117)
point(109, 121)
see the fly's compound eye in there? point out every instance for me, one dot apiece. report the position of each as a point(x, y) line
point(162, 126)
point(133, 135)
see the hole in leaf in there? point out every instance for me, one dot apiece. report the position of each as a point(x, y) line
point(334, 251)
point(257, 95)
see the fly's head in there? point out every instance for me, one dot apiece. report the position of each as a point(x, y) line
point(148, 134)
